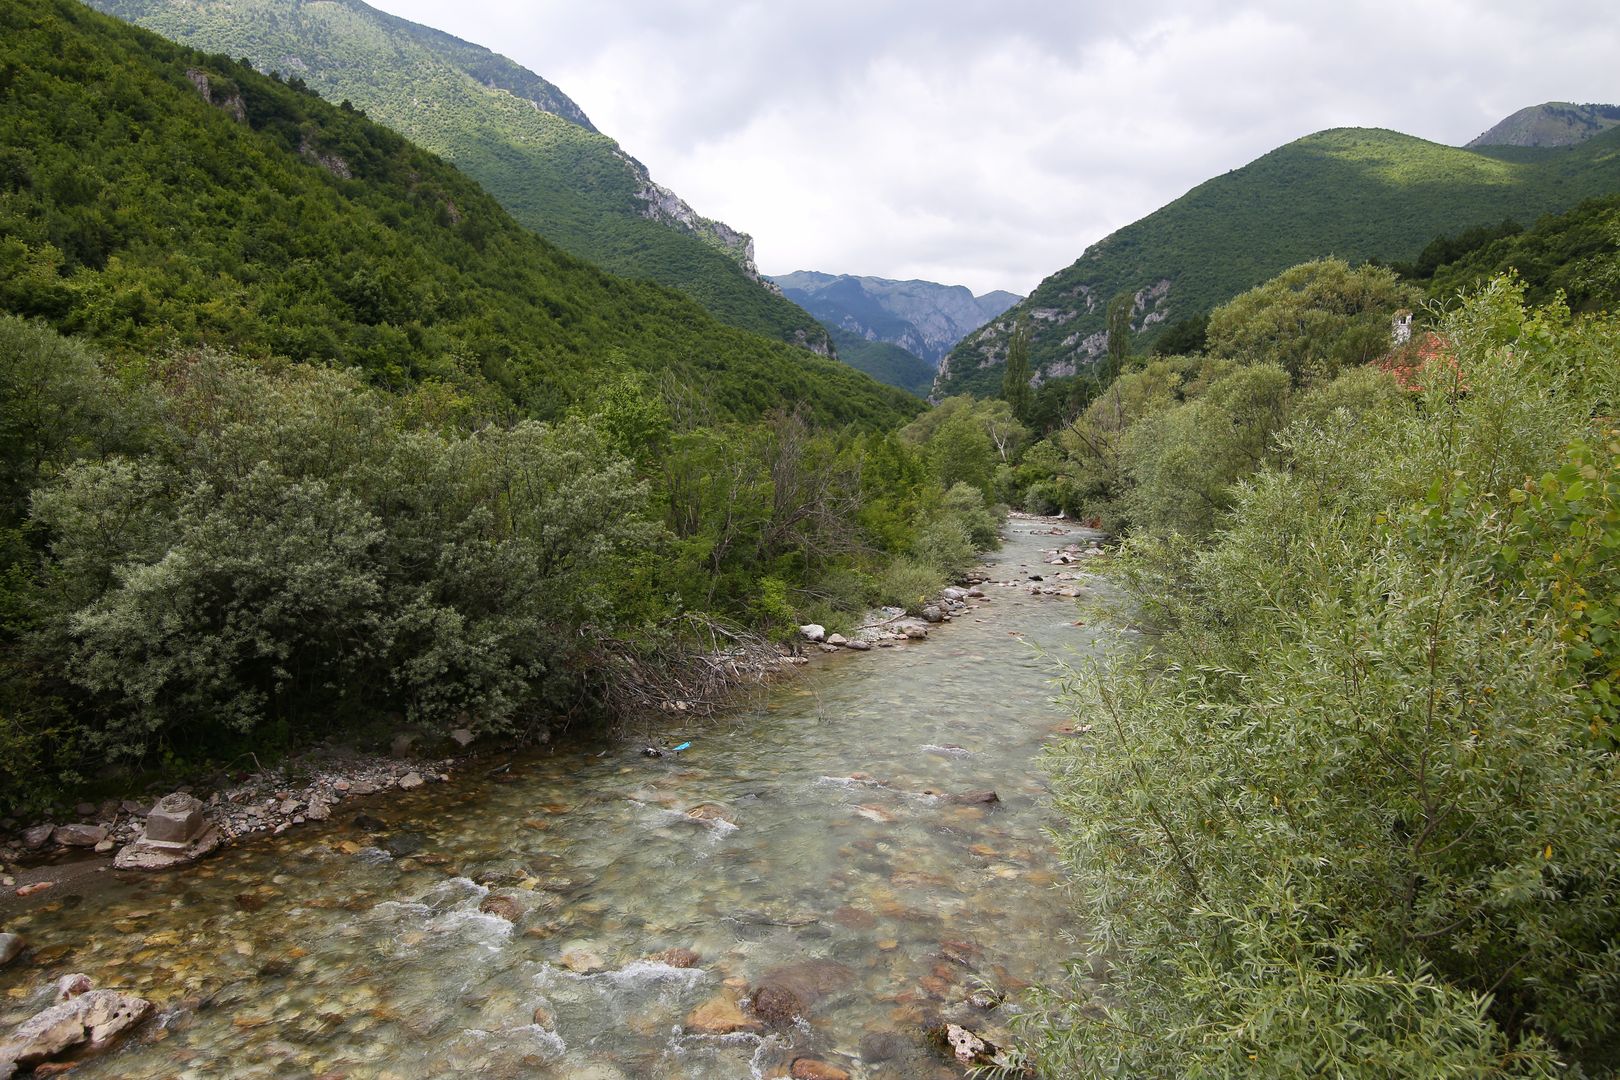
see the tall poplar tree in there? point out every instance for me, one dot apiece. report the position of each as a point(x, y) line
point(1119, 334)
point(1015, 379)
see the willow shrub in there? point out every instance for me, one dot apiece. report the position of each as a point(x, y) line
point(295, 554)
point(1355, 813)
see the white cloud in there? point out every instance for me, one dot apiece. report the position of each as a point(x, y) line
point(989, 145)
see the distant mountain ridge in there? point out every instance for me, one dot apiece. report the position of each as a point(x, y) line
point(518, 135)
point(1553, 123)
point(1357, 193)
point(924, 318)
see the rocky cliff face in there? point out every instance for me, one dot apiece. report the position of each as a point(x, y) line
point(1554, 123)
point(663, 205)
point(922, 317)
point(1078, 349)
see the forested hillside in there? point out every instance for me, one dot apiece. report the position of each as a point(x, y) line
point(1572, 254)
point(884, 362)
point(1354, 193)
point(152, 196)
point(517, 135)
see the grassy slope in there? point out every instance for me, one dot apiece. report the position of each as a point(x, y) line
point(572, 185)
point(1353, 192)
point(136, 213)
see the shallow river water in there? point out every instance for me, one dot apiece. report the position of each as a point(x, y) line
point(870, 905)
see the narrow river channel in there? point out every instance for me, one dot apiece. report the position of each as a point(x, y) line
point(431, 941)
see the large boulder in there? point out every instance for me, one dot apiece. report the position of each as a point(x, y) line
point(79, 835)
point(813, 632)
point(82, 1017)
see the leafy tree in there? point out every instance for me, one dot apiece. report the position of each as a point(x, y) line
point(1357, 812)
point(1317, 318)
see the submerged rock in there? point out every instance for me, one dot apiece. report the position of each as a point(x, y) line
point(11, 947)
point(82, 1017)
point(676, 958)
point(583, 961)
point(721, 1015)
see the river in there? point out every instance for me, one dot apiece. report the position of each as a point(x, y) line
point(869, 906)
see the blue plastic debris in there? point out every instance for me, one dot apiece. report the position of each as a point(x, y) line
point(681, 747)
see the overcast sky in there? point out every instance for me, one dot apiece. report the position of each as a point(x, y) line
point(987, 144)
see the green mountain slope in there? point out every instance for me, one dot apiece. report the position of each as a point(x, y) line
point(152, 195)
point(1352, 192)
point(516, 134)
point(885, 362)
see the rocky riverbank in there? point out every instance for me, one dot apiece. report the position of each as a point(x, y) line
point(85, 838)
point(308, 788)
point(809, 870)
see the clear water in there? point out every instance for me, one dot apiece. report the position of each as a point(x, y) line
point(320, 954)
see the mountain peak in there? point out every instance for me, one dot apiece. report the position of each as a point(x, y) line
point(924, 318)
point(1553, 123)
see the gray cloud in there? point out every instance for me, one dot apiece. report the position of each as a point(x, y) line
point(987, 145)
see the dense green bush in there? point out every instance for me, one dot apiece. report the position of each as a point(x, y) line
point(1315, 319)
point(1357, 813)
point(293, 551)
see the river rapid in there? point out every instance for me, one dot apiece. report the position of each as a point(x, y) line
point(810, 844)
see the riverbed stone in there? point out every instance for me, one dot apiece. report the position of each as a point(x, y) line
point(411, 781)
point(79, 835)
point(37, 837)
point(676, 958)
point(813, 632)
point(721, 1015)
point(916, 633)
point(583, 961)
point(932, 614)
point(815, 1069)
point(502, 906)
point(11, 947)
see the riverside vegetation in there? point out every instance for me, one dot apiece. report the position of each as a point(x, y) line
point(1354, 810)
